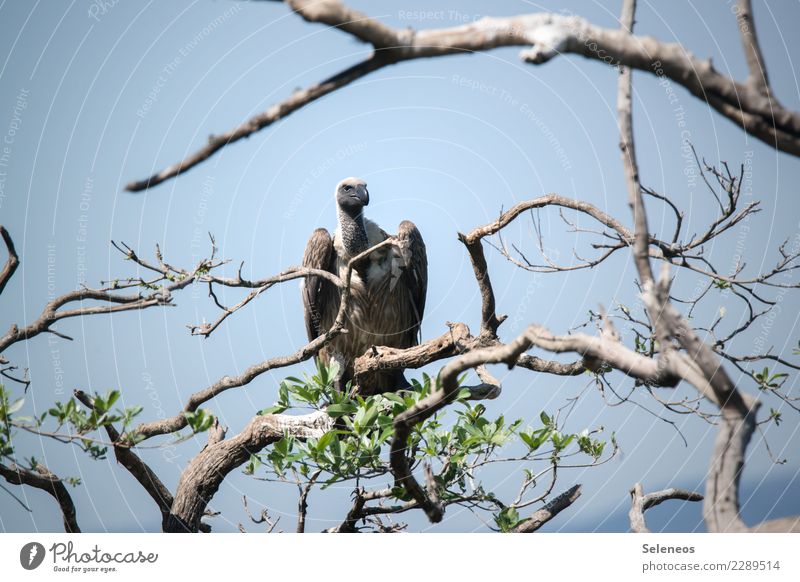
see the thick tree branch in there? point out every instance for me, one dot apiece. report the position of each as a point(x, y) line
point(457, 340)
point(548, 35)
point(43, 479)
point(551, 509)
point(490, 321)
point(641, 503)
point(757, 79)
point(607, 349)
point(454, 341)
point(358, 24)
point(11, 263)
point(641, 255)
point(536, 364)
point(700, 366)
point(757, 114)
point(721, 505)
point(780, 525)
point(206, 471)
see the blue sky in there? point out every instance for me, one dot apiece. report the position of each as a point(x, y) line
point(92, 98)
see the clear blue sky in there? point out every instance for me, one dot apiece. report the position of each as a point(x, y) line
point(110, 95)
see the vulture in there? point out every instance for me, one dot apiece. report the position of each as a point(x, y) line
point(387, 289)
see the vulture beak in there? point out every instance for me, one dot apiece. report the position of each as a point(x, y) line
point(363, 194)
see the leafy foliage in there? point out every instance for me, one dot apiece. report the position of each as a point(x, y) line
point(200, 420)
point(456, 444)
point(507, 519)
point(7, 408)
point(70, 414)
point(769, 381)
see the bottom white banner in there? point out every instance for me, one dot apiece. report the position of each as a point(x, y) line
point(329, 557)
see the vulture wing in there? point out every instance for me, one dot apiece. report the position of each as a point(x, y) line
point(319, 296)
point(415, 273)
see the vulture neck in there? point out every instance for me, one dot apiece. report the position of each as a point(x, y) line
point(353, 232)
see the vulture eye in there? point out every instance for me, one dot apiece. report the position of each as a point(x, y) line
point(348, 188)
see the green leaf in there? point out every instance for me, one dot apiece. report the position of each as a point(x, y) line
point(15, 406)
point(507, 519)
point(337, 410)
point(199, 420)
point(274, 409)
point(394, 398)
point(112, 397)
point(463, 394)
point(369, 417)
point(336, 447)
point(325, 440)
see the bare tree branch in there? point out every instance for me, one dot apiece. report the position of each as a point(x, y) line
point(702, 367)
point(457, 340)
point(549, 511)
point(780, 525)
point(254, 124)
point(641, 503)
point(111, 302)
point(548, 35)
point(609, 350)
point(302, 501)
point(43, 479)
point(752, 49)
point(356, 512)
point(641, 242)
point(262, 518)
point(11, 263)
point(537, 364)
point(206, 329)
point(6, 373)
point(337, 15)
point(490, 321)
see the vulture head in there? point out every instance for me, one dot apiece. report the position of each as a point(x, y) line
point(352, 196)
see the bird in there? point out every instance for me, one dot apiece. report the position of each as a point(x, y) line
point(388, 289)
